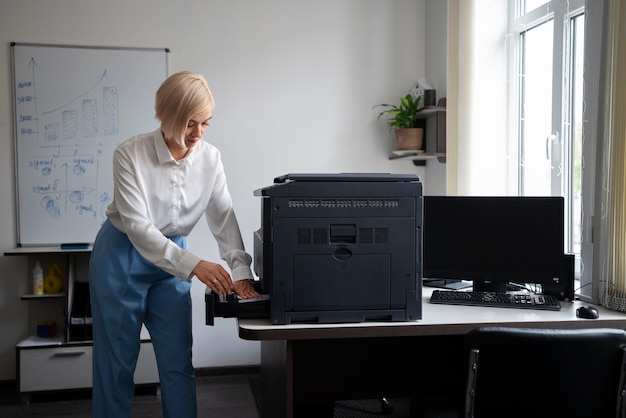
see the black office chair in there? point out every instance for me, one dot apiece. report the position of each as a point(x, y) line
point(516, 372)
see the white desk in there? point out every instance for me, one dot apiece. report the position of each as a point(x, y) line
point(305, 363)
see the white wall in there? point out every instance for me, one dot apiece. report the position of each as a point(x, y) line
point(294, 81)
point(436, 65)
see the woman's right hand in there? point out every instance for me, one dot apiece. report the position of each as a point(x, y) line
point(214, 276)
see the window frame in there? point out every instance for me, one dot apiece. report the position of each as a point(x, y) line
point(561, 12)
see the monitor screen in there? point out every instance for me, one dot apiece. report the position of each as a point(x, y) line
point(493, 239)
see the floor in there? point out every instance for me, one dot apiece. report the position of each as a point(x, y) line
point(224, 395)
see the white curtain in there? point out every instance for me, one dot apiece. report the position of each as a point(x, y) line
point(477, 147)
point(611, 250)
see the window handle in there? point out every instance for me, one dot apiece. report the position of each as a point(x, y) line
point(551, 140)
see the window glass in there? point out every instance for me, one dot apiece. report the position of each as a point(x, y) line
point(535, 80)
point(529, 5)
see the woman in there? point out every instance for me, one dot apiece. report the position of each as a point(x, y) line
point(140, 268)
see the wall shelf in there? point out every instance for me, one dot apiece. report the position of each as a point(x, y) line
point(32, 296)
point(419, 158)
point(423, 156)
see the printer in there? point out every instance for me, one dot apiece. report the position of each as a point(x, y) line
point(336, 248)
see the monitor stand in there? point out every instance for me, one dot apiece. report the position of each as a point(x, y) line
point(487, 286)
point(447, 284)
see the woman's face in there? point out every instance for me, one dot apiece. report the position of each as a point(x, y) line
point(179, 147)
point(195, 129)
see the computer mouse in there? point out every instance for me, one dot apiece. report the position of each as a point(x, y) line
point(587, 312)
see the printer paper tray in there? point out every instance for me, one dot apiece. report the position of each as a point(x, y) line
point(234, 308)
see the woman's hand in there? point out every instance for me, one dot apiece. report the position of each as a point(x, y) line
point(245, 290)
point(214, 276)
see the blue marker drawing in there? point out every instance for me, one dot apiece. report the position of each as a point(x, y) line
point(90, 118)
point(74, 174)
point(111, 116)
point(70, 124)
point(100, 79)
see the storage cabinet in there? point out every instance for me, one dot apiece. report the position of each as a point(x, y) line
point(64, 361)
point(68, 366)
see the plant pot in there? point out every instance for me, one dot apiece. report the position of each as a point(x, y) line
point(409, 138)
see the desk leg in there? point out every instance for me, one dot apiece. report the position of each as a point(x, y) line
point(277, 379)
point(277, 391)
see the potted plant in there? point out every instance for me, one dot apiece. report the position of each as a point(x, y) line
point(402, 120)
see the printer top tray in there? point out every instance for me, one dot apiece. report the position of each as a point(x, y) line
point(343, 184)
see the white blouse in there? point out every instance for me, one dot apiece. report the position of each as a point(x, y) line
point(156, 196)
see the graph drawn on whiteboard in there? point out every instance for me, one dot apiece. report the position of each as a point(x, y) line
point(73, 106)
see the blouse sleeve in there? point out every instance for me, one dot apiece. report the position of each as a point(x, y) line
point(223, 224)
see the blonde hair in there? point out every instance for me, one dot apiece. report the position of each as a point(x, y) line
point(181, 96)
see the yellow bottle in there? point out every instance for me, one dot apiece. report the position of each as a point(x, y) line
point(52, 282)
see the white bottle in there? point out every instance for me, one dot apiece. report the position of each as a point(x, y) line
point(38, 279)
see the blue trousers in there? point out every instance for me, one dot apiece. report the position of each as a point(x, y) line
point(126, 292)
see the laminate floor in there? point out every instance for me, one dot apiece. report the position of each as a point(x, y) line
point(234, 395)
point(224, 396)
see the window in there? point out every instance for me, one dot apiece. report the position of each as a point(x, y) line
point(549, 44)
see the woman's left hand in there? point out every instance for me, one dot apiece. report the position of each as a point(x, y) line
point(245, 290)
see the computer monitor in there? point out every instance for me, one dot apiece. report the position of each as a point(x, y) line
point(494, 241)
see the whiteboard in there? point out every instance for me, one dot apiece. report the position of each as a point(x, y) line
point(72, 106)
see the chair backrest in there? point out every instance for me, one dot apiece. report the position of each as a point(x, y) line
point(515, 372)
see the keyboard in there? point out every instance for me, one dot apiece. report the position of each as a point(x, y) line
point(494, 299)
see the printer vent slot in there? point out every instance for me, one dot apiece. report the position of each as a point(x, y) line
point(373, 235)
point(311, 236)
point(320, 236)
point(307, 236)
point(303, 235)
point(366, 235)
point(381, 235)
point(344, 203)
